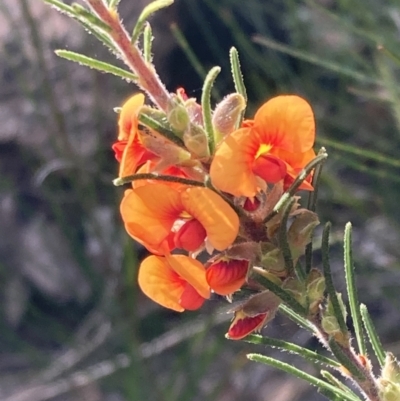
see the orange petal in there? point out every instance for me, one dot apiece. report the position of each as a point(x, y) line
point(295, 163)
point(192, 271)
point(128, 118)
point(226, 277)
point(118, 148)
point(190, 298)
point(133, 156)
point(243, 325)
point(161, 283)
point(149, 213)
point(216, 216)
point(286, 122)
point(231, 168)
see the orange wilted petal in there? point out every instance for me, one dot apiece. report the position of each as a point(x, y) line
point(190, 298)
point(227, 276)
point(149, 213)
point(192, 271)
point(243, 325)
point(286, 122)
point(161, 283)
point(215, 215)
point(190, 236)
point(128, 118)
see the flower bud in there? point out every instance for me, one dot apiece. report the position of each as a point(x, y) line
point(315, 290)
point(388, 391)
point(178, 118)
point(296, 289)
point(330, 323)
point(301, 230)
point(272, 259)
point(391, 369)
point(196, 141)
point(227, 114)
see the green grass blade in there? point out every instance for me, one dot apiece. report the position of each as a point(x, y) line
point(316, 60)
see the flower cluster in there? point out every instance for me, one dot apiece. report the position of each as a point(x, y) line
point(202, 200)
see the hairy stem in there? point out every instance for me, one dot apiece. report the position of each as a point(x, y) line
point(131, 55)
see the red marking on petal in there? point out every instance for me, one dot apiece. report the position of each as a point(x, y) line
point(190, 236)
point(226, 277)
point(270, 168)
point(118, 148)
point(242, 327)
point(190, 298)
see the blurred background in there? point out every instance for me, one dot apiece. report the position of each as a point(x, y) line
point(73, 324)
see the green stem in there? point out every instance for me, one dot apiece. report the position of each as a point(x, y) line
point(282, 236)
point(130, 54)
point(153, 176)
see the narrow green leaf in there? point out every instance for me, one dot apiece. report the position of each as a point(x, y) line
point(96, 64)
point(373, 335)
point(62, 7)
point(316, 60)
point(312, 205)
point(330, 287)
point(237, 72)
point(296, 318)
point(352, 289)
point(145, 14)
point(311, 356)
point(282, 236)
point(147, 40)
point(296, 183)
point(163, 130)
point(113, 4)
point(342, 355)
point(338, 384)
point(206, 106)
point(82, 12)
point(281, 293)
point(300, 374)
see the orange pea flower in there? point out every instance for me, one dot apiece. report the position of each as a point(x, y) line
point(226, 276)
point(163, 218)
point(176, 282)
point(272, 147)
point(129, 150)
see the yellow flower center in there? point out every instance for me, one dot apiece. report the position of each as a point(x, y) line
point(263, 149)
